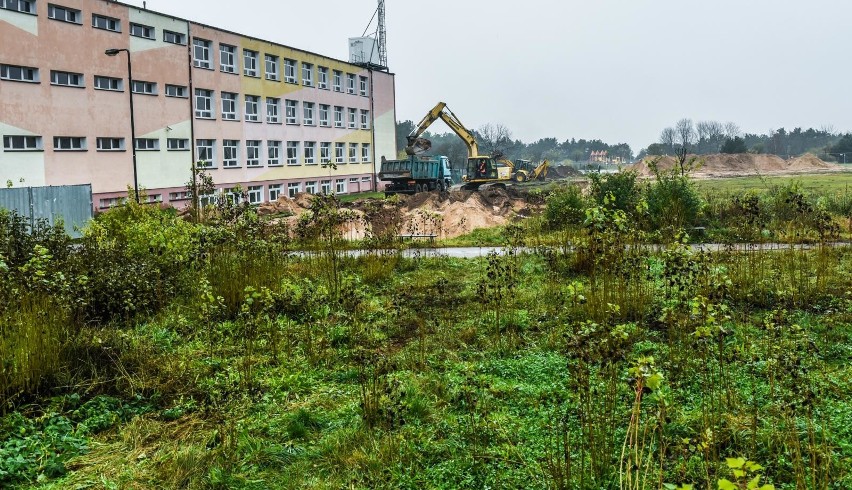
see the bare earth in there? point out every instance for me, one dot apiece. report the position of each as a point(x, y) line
point(744, 164)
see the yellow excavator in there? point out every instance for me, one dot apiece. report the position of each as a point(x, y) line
point(480, 169)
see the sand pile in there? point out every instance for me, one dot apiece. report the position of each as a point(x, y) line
point(563, 172)
point(742, 164)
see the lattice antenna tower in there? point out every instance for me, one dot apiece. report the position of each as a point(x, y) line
point(383, 49)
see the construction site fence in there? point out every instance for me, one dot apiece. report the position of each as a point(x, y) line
point(70, 204)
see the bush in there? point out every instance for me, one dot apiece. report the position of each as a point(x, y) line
point(616, 191)
point(565, 207)
point(673, 202)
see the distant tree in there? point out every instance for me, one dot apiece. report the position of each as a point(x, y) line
point(658, 149)
point(711, 136)
point(685, 133)
point(668, 137)
point(734, 145)
point(844, 145)
point(732, 130)
point(494, 138)
point(403, 129)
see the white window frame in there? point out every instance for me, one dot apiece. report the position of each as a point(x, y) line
point(106, 23)
point(289, 70)
point(352, 118)
point(201, 53)
point(227, 58)
point(17, 73)
point(273, 153)
point(340, 186)
point(109, 144)
point(273, 110)
point(206, 147)
point(204, 104)
point(307, 74)
point(365, 119)
point(18, 6)
point(337, 81)
point(353, 152)
point(275, 191)
point(178, 91)
point(173, 37)
point(325, 152)
point(67, 79)
point(292, 153)
point(311, 187)
point(291, 111)
point(322, 77)
point(271, 61)
point(308, 113)
point(230, 153)
point(362, 86)
point(340, 153)
point(253, 153)
point(147, 144)
point(177, 144)
point(251, 108)
point(350, 83)
point(325, 186)
point(229, 106)
point(293, 188)
point(144, 88)
point(338, 116)
point(366, 156)
point(143, 31)
point(255, 194)
point(22, 142)
point(310, 152)
point(250, 63)
point(110, 84)
point(64, 14)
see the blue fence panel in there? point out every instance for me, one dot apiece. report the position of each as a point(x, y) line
point(70, 203)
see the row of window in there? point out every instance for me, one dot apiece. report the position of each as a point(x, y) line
point(295, 153)
point(255, 193)
point(310, 75)
point(202, 51)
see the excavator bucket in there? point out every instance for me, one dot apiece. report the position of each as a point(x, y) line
point(417, 145)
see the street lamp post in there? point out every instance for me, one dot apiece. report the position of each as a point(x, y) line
point(114, 52)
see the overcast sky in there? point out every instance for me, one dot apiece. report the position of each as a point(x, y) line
point(618, 70)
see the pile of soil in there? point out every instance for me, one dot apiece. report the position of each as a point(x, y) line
point(742, 164)
point(563, 172)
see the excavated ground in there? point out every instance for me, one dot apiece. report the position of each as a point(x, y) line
point(743, 164)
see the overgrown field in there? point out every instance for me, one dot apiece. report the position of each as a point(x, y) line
point(160, 353)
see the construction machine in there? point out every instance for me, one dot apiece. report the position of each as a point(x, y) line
point(525, 171)
point(480, 169)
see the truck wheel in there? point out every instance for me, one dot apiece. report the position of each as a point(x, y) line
point(520, 177)
point(417, 189)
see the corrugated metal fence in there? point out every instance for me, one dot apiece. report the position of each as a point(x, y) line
point(70, 203)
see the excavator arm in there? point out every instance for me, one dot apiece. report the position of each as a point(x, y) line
point(416, 144)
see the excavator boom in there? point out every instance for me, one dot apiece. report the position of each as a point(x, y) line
point(416, 144)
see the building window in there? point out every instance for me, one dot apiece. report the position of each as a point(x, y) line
point(352, 116)
point(226, 58)
point(363, 86)
point(203, 103)
point(365, 153)
point(292, 153)
point(273, 110)
point(353, 152)
point(271, 67)
point(339, 149)
point(292, 114)
point(201, 53)
point(340, 186)
point(255, 194)
point(110, 144)
point(25, 6)
point(66, 79)
point(146, 88)
point(19, 73)
point(229, 106)
point(174, 37)
point(109, 83)
point(308, 113)
point(350, 83)
point(21, 143)
point(338, 116)
point(64, 14)
point(325, 186)
point(250, 63)
point(106, 23)
point(252, 114)
point(252, 153)
point(273, 153)
point(179, 196)
point(290, 71)
point(143, 31)
point(205, 153)
point(69, 143)
point(231, 155)
point(176, 91)
point(365, 119)
point(323, 115)
point(323, 78)
point(274, 192)
point(311, 187)
point(293, 188)
point(307, 74)
point(337, 81)
point(310, 152)
point(177, 144)
point(147, 144)
point(325, 153)
point(233, 195)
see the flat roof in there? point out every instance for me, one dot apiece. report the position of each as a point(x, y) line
point(174, 17)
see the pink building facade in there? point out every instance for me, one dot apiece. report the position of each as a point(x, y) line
point(271, 119)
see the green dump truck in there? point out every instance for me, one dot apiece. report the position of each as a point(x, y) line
point(416, 174)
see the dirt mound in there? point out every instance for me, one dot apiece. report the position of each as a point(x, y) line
point(741, 164)
point(563, 172)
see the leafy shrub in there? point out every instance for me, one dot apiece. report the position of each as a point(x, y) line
point(618, 190)
point(565, 207)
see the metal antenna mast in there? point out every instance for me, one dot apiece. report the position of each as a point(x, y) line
point(383, 49)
